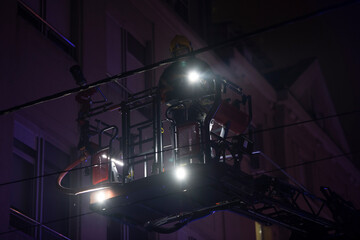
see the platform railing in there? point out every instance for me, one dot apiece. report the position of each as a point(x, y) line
point(147, 101)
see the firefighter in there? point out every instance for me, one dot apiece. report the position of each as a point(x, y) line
point(189, 81)
point(187, 87)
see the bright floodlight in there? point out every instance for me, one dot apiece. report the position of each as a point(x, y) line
point(100, 196)
point(180, 173)
point(193, 76)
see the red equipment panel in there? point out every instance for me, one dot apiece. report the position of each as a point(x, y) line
point(100, 172)
point(228, 114)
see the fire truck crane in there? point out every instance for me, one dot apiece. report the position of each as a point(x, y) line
point(142, 179)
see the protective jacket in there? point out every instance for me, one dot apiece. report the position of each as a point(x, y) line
point(175, 86)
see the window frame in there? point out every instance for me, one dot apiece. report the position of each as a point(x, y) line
point(41, 139)
point(50, 32)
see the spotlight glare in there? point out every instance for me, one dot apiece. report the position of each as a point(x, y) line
point(193, 76)
point(100, 196)
point(118, 162)
point(180, 173)
point(90, 190)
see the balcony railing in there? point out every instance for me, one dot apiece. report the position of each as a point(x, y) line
point(28, 225)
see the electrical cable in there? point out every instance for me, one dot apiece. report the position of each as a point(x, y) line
point(44, 175)
point(270, 171)
point(94, 165)
point(79, 215)
point(92, 212)
point(309, 162)
point(46, 223)
point(307, 121)
point(16, 212)
point(129, 73)
point(171, 149)
point(226, 43)
point(168, 61)
point(230, 42)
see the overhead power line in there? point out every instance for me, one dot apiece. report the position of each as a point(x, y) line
point(149, 154)
point(92, 212)
point(310, 162)
point(46, 175)
point(307, 121)
point(80, 215)
point(48, 222)
point(265, 172)
point(171, 149)
point(226, 43)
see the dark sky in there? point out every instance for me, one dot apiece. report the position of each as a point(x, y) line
point(333, 37)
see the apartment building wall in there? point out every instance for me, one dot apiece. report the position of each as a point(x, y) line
point(33, 66)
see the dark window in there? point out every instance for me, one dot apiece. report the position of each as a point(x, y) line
point(126, 52)
point(22, 194)
point(55, 203)
point(24, 148)
point(195, 13)
point(136, 48)
point(181, 7)
point(37, 199)
point(55, 19)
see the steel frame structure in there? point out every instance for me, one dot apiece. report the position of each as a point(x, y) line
point(264, 199)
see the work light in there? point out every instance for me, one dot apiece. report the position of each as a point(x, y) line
point(193, 76)
point(180, 173)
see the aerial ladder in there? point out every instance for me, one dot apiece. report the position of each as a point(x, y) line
point(139, 180)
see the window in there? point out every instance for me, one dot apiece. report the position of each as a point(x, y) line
point(55, 19)
point(181, 7)
point(37, 199)
point(135, 58)
point(22, 195)
point(125, 52)
point(195, 13)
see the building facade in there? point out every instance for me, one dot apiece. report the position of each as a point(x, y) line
point(42, 39)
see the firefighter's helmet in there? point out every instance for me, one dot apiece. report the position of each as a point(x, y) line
point(180, 45)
